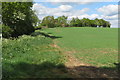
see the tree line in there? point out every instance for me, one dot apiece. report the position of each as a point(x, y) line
point(18, 18)
point(62, 21)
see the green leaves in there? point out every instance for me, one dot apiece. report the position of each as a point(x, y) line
point(61, 21)
point(48, 21)
point(34, 56)
point(19, 17)
point(6, 31)
point(85, 22)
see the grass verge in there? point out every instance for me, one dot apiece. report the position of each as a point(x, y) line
point(32, 57)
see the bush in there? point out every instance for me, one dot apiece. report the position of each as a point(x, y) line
point(0, 28)
point(19, 17)
point(22, 28)
point(6, 31)
point(38, 27)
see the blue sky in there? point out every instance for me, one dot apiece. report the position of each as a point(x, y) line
point(91, 10)
point(92, 6)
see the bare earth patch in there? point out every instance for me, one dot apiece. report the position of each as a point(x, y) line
point(77, 69)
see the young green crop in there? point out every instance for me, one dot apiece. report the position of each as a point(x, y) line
point(96, 46)
point(35, 57)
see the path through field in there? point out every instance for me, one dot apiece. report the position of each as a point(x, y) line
point(62, 53)
point(70, 46)
point(83, 70)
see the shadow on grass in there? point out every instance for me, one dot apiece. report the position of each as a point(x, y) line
point(95, 72)
point(51, 70)
point(26, 70)
point(45, 34)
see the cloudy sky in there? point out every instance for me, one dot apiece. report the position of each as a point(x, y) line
point(91, 10)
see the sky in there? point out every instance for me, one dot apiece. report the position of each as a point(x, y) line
point(102, 10)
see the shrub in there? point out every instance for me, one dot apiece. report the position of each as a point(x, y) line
point(22, 28)
point(19, 17)
point(0, 28)
point(38, 27)
point(6, 31)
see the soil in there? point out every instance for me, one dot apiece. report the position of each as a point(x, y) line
point(78, 69)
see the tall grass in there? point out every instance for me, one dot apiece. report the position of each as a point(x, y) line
point(31, 57)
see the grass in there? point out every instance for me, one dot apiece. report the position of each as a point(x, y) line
point(31, 57)
point(34, 56)
point(96, 46)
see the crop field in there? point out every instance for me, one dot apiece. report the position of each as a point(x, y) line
point(58, 52)
point(40, 40)
point(96, 46)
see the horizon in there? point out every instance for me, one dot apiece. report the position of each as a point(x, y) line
point(91, 10)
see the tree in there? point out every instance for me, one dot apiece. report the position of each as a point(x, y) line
point(108, 24)
point(93, 23)
point(19, 17)
point(76, 22)
point(61, 21)
point(102, 22)
point(85, 22)
point(48, 21)
point(35, 20)
point(72, 22)
point(97, 22)
point(105, 23)
point(6, 31)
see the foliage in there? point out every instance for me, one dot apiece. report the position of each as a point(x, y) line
point(76, 22)
point(35, 20)
point(35, 57)
point(38, 27)
point(48, 21)
point(31, 57)
point(104, 23)
point(19, 17)
point(62, 21)
point(86, 22)
point(51, 22)
point(0, 28)
point(6, 31)
point(93, 23)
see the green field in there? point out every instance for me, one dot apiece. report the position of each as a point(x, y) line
point(43, 54)
point(97, 46)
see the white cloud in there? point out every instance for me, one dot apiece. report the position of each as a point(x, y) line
point(39, 9)
point(108, 10)
point(110, 13)
point(66, 10)
point(79, 1)
point(79, 12)
point(114, 23)
point(69, 11)
point(92, 16)
point(65, 7)
point(113, 17)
